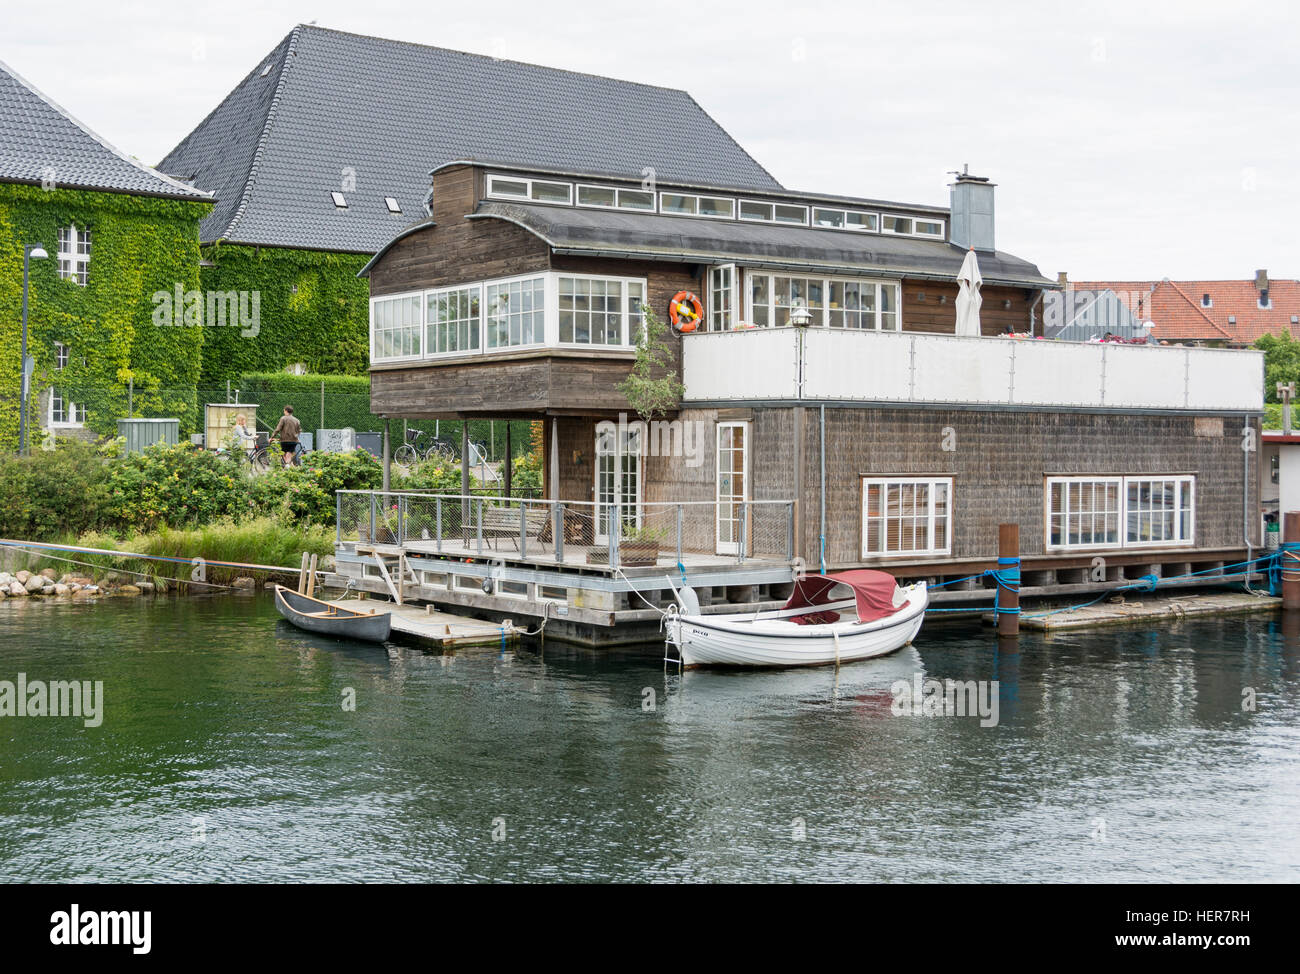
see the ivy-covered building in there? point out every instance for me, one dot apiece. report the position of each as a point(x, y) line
point(323, 153)
point(117, 235)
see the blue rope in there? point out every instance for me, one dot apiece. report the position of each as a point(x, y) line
point(1007, 575)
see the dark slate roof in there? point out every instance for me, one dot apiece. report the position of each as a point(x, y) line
point(393, 111)
point(39, 140)
point(617, 233)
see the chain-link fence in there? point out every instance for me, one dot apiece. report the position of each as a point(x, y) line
point(568, 532)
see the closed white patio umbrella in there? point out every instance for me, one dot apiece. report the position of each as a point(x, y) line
point(968, 296)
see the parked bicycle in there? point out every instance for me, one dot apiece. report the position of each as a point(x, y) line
point(421, 445)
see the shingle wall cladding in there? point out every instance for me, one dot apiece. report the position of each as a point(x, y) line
point(998, 462)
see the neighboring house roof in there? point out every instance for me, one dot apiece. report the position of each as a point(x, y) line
point(325, 104)
point(42, 144)
point(617, 233)
point(1233, 315)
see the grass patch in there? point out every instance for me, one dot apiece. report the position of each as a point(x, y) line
point(261, 541)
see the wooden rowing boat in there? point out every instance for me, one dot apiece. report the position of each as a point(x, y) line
point(316, 616)
point(830, 619)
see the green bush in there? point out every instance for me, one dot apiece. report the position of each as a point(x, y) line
point(52, 493)
point(174, 486)
point(444, 478)
point(305, 495)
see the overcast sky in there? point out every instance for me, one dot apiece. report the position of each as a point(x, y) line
point(1128, 140)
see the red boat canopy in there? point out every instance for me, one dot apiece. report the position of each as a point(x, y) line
point(874, 592)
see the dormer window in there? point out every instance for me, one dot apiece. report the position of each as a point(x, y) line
point(392, 205)
point(1264, 301)
point(339, 200)
point(1207, 301)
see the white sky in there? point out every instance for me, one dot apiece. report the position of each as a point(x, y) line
point(1128, 140)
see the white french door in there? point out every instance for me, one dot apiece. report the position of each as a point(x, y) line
point(733, 484)
point(618, 479)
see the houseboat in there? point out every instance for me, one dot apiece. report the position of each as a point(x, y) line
point(832, 417)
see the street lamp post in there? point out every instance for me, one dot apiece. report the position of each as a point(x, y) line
point(26, 364)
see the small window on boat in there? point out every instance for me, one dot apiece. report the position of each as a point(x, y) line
point(552, 593)
point(597, 196)
point(635, 199)
point(435, 579)
point(468, 582)
point(512, 590)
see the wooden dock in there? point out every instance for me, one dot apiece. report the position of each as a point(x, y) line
point(1142, 608)
point(435, 629)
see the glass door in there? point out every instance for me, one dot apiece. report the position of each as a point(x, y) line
point(733, 484)
point(618, 478)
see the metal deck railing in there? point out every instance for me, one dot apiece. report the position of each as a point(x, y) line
point(567, 532)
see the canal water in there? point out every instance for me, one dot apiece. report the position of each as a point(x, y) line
point(226, 753)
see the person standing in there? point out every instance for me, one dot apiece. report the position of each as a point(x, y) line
point(287, 432)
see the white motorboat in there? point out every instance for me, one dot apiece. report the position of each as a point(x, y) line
point(829, 619)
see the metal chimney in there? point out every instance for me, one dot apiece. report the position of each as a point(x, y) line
point(971, 202)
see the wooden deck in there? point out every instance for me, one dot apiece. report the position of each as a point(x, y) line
point(436, 629)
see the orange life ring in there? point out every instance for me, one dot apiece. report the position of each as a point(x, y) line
point(685, 311)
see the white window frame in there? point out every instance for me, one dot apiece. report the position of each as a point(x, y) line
point(437, 292)
point(943, 230)
point(62, 354)
point(78, 269)
point(625, 304)
point(931, 518)
point(823, 321)
point(529, 181)
point(420, 327)
point(548, 304)
point(75, 411)
point(1122, 483)
point(731, 547)
point(718, 320)
point(898, 216)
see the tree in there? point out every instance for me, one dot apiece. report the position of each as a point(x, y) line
point(653, 386)
point(1281, 362)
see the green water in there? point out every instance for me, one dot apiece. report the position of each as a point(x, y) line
point(225, 754)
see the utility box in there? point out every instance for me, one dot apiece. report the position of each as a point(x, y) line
point(337, 440)
point(372, 442)
point(307, 441)
point(140, 433)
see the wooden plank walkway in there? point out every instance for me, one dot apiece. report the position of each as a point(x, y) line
point(440, 630)
point(1143, 607)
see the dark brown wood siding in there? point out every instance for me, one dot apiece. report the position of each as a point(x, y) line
point(930, 306)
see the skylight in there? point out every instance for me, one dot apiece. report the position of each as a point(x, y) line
point(339, 201)
point(393, 207)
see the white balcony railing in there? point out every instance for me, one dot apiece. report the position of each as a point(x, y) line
point(910, 367)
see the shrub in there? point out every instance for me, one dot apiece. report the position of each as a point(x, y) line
point(174, 486)
point(444, 478)
point(305, 495)
point(51, 493)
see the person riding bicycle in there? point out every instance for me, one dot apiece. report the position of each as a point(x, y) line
point(287, 432)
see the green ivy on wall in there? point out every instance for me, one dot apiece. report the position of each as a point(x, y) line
point(314, 310)
point(139, 246)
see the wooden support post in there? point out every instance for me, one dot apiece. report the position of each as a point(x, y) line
point(388, 461)
point(311, 577)
point(1009, 579)
point(505, 470)
point(1290, 560)
point(302, 574)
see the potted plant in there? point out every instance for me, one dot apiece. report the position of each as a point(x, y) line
point(639, 546)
